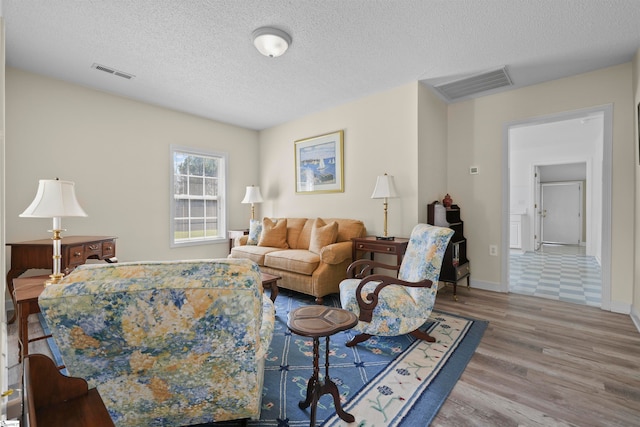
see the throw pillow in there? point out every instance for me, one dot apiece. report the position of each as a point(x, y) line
point(322, 234)
point(255, 229)
point(274, 234)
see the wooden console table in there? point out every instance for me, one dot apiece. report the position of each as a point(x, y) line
point(371, 244)
point(75, 251)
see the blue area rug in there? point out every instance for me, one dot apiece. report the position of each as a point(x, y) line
point(357, 371)
point(386, 381)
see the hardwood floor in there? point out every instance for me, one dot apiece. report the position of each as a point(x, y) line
point(544, 363)
point(540, 363)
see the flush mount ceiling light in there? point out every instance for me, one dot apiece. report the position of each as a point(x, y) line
point(271, 42)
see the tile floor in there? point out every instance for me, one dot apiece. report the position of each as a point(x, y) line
point(562, 273)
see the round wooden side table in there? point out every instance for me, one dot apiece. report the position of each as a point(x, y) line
point(317, 321)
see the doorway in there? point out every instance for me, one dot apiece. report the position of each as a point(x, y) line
point(561, 204)
point(579, 137)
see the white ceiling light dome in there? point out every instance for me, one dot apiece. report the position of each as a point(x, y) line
point(271, 42)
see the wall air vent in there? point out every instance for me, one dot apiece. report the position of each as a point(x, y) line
point(112, 71)
point(475, 84)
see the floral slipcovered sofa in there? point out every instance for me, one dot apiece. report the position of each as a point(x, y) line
point(165, 343)
point(310, 254)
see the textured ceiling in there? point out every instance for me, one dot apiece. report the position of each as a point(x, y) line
point(197, 56)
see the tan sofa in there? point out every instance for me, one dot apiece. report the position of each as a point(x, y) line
point(311, 255)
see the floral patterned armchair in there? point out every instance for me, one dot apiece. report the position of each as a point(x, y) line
point(391, 306)
point(165, 343)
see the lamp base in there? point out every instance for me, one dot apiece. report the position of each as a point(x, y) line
point(53, 279)
point(385, 238)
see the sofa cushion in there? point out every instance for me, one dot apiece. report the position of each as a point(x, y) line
point(294, 228)
point(274, 234)
point(322, 234)
point(255, 229)
point(305, 234)
point(254, 253)
point(347, 230)
point(299, 261)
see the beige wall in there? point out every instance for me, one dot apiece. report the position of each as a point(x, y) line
point(97, 140)
point(432, 150)
point(117, 152)
point(475, 137)
point(380, 135)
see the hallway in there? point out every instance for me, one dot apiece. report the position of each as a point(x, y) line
point(558, 272)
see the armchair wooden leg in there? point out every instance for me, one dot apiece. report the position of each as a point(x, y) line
point(358, 339)
point(421, 335)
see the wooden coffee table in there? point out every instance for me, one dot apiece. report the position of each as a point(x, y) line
point(319, 321)
point(269, 281)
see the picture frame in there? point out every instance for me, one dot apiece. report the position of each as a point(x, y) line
point(319, 164)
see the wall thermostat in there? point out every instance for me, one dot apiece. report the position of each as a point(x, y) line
point(473, 170)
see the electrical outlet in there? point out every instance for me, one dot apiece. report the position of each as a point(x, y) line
point(493, 250)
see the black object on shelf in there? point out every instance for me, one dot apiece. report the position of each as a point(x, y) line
point(455, 265)
point(385, 238)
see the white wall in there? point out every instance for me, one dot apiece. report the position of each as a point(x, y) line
point(117, 152)
point(475, 133)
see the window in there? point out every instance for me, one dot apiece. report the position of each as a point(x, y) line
point(198, 196)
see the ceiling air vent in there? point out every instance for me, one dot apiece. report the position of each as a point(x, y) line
point(112, 71)
point(473, 85)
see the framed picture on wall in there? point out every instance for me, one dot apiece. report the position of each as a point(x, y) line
point(319, 164)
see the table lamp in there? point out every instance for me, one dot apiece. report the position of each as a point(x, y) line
point(55, 199)
point(252, 196)
point(385, 188)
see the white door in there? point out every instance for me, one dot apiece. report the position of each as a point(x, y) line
point(562, 213)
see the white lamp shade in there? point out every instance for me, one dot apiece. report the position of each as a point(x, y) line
point(385, 187)
point(252, 195)
point(54, 198)
point(271, 42)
